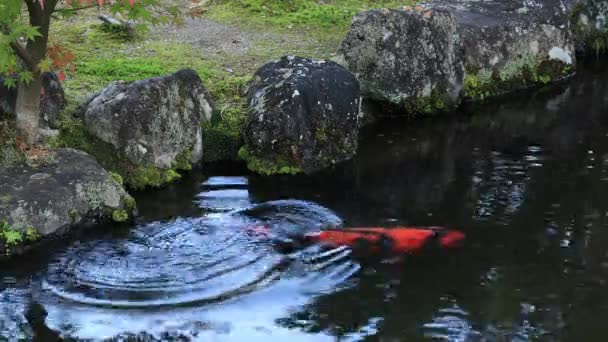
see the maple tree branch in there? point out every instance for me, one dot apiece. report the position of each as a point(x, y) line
point(24, 56)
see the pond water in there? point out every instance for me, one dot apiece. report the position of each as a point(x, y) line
point(526, 178)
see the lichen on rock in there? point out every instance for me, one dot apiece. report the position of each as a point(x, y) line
point(303, 116)
point(430, 57)
point(53, 198)
point(409, 57)
point(153, 126)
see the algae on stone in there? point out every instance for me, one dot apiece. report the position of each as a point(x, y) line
point(527, 71)
point(267, 167)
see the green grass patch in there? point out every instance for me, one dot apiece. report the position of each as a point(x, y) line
point(329, 16)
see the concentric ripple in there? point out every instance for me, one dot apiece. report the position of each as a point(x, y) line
point(193, 261)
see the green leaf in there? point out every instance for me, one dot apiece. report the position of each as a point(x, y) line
point(31, 32)
point(10, 83)
point(26, 77)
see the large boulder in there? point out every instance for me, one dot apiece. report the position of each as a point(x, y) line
point(590, 25)
point(411, 58)
point(512, 44)
point(52, 99)
point(433, 51)
point(303, 116)
point(72, 190)
point(152, 123)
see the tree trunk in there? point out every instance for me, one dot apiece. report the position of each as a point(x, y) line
point(27, 107)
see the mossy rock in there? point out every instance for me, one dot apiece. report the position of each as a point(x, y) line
point(525, 72)
point(122, 170)
point(267, 167)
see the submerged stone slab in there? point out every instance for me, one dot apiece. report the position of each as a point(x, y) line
point(437, 53)
point(71, 191)
point(303, 116)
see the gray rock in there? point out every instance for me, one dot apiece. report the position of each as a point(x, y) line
point(52, 99)
point(411, 58)
point(73, 190)
point(422, 57)
point(512, 44)
point(303, 116)
point(590, 25)
point(153, 121)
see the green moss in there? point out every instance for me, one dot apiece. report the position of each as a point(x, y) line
point(266, 167)
point(129, 203)
point(10, 237)
point(435, 102)
point(424, 104)
point(31, 234)
point(115, 177)
point(170, 176)
point(145, 176)
point(120, 216)
point(182, 161)
point(321, 135)
point(73, 134)
point(526, 71)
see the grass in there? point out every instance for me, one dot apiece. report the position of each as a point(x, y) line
point(330, 18)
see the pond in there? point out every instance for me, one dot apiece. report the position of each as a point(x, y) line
point(525, 177)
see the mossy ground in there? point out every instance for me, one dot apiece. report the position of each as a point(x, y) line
point(325, 21)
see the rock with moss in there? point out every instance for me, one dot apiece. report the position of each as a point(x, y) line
point(513, 44)
point(73, 191)
point(303, 116)
point(153, 122)
point(409, 57)
point(423, 57)
point(52, 99)
point(590, 25)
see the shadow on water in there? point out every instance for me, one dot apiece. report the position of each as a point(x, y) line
point(526, 177)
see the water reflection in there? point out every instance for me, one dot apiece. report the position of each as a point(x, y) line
point(525, 177)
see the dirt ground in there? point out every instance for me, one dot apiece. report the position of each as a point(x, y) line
point(243, 48)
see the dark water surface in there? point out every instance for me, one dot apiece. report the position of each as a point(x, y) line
point(526, 178)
